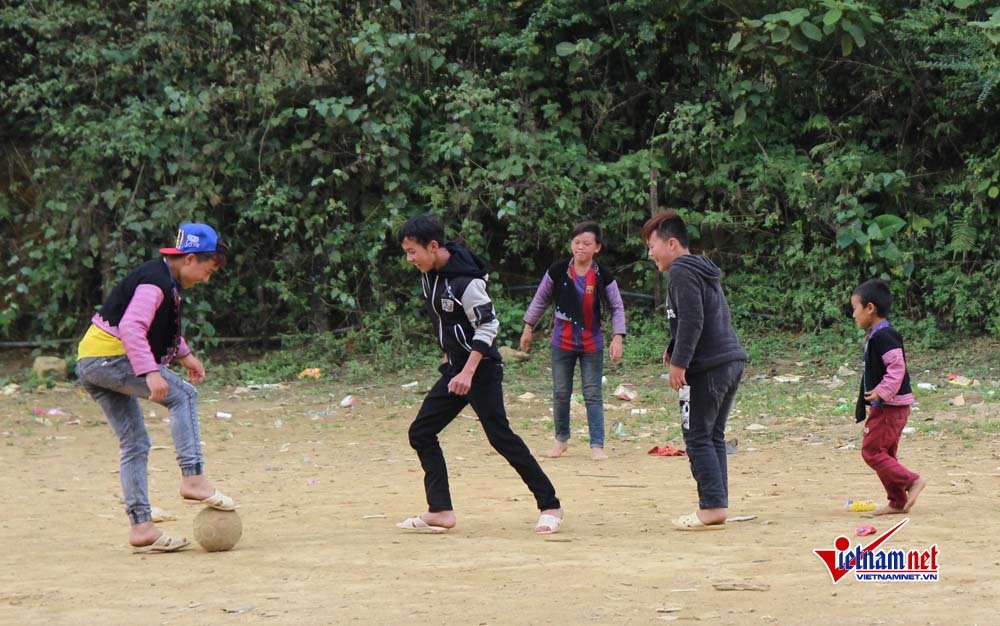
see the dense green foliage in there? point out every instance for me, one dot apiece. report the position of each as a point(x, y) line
point(811, 144)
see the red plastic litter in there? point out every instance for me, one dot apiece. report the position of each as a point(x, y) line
point(666, 451)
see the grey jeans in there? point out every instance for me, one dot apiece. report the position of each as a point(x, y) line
point(705, 405)
point(111, 382)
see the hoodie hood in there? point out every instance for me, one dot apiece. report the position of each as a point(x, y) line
point(701, 265)
point(463, 263)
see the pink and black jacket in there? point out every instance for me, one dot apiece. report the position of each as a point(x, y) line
point(883, 370)
point(144, 312)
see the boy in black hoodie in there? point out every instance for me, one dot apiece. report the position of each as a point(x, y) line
point(454, 285)
point(706, 362)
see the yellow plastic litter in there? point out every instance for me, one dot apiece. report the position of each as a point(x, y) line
point(961, 381)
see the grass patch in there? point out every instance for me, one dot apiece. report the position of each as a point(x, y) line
point(815, 402)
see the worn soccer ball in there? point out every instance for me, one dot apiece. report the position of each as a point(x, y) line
point(217, 530)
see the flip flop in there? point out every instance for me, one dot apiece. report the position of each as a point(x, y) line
point(549, 521)
point(217, 500)
point(163, 543)
point(864, 530)
point(692, 522)
point(418, 525)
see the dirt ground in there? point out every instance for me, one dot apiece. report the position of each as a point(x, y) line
point(321, 486)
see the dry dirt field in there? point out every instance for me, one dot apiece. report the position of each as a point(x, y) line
point(321, 486)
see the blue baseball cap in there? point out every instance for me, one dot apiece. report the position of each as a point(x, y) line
point(195, 238)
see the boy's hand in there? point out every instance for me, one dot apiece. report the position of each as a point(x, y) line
point(872, 396)
point(158, 386)
point(678, 377)
point(526, 339)
point(460, 383)
point(666, 358)
point(616, 348)
point(194, 367)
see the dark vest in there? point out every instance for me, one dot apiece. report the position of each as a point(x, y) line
point(565, 297)
point(883, 341)
point(165, 330)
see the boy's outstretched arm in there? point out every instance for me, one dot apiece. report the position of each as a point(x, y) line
point(541, 301)
point(479, 309)
point(895, 370)
point(690, 313)
point(617, 320)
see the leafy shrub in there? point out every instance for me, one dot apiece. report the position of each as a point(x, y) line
point(810, 147)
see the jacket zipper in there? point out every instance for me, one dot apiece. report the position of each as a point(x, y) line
point(434, 308)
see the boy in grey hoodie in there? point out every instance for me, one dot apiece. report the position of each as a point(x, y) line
point(706, 362)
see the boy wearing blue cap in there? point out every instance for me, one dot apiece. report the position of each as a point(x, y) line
point(125, 355)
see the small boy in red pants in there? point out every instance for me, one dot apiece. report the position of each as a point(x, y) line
point(885, 389)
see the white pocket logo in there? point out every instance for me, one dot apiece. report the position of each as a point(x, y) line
point(447, 305)
point(684, 395)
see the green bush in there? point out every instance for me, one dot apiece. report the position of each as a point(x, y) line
point(810, 146)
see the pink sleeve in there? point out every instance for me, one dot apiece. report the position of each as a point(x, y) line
point(134, 328)
point(183, 349)
point(895, 369)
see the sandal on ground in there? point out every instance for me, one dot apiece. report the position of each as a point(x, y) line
point(692, 522)
point(548, 524)
point(159, 515)
point(217, 500)
point(163, 543)
point(418, 525)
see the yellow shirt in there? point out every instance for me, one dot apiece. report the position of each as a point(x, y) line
point(98, 343)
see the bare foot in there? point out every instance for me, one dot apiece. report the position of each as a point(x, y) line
point(597, 454)
point(886, 509)
point(558, 449)
point(196, 487)
point(710, 517)
point(143, 534)
point(552, 525)
point(915, 489)
point(442, 519)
